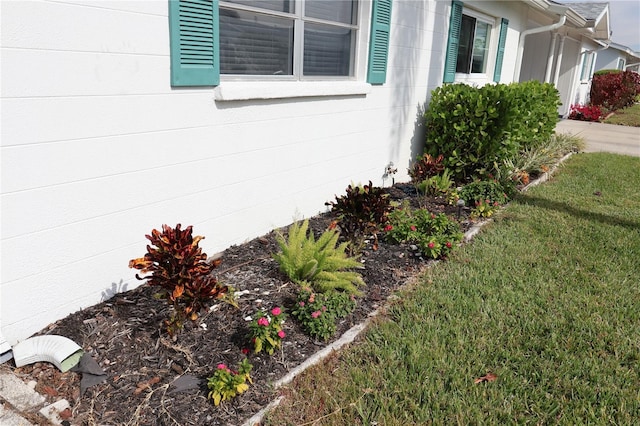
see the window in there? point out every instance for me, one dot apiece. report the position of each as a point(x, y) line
point(288, 38)
point(470, 42)
point(587, 65)
point(274, 40)
point(474, 46)
point(621, 64)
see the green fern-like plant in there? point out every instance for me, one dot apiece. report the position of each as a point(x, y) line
point(321, 264)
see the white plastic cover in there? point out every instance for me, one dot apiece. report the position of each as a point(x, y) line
point(61, 351)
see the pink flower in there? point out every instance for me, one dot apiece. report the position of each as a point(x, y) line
point(324, 309)
point(301, 303)
point(431, 245)
point(413, 227)
point(222, 366)
point(312, 297)
point(281, 334)
point(496, 204)
point(263, 321)
point(388, 228)
point(276, 311)
point(315, 314)
point(448, 244)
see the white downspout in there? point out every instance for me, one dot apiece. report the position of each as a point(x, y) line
point(556, 75)
point(524, 34)
point(552, 52)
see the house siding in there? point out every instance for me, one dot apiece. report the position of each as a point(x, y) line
point(98, 149)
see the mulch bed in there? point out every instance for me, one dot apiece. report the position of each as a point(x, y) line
point(123, 335)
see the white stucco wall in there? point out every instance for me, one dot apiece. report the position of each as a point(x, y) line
point(97, 149)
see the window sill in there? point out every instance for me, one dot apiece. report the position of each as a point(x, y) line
point(248, 90)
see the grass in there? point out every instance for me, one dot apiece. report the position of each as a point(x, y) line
point(626, 117)
point(546, 298)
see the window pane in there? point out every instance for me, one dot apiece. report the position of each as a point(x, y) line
point(480, 47)
point(277, 5)
point(255, 44)
point(331, 10)
point(327, 50)
point(463, 63)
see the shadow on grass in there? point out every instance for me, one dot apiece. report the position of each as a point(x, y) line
point(577, 212)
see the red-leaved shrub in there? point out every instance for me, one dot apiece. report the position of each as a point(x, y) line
point(615, 90)
point(180, 269)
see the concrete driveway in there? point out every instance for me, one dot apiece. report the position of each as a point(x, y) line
point(604, 137)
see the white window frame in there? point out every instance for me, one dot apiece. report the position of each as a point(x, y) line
point(298, 43)
point(244, 88)
point(621, 64)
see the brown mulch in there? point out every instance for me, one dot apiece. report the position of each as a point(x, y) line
point(123, 334)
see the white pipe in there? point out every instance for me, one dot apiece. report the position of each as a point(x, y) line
point(556, 76)
point(524, 34)
point(62, 352)
point(552, 52)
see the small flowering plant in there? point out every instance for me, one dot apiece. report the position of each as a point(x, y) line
point(266, 330)
point(226, 383)
point(318, 312)
point(435, 234)
point(484, 208)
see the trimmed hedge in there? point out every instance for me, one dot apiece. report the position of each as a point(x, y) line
point(476, 128)
point(607, 71)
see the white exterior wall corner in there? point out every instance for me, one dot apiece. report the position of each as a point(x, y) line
point(97, 149)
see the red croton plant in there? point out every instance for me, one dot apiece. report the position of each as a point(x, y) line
point(179, 267)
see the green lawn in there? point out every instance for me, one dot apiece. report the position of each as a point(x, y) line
point(626, 117)
point(547, 298)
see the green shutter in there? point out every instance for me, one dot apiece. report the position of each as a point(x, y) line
point(379, 43)
point(455, 23)
point(504, 25)
point(193, 30)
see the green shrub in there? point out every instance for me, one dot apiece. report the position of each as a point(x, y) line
point(535, 109)
point(320, 264)
point(483, 190)
point(477, 128)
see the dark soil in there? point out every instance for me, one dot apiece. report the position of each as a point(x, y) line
point(124, 336)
